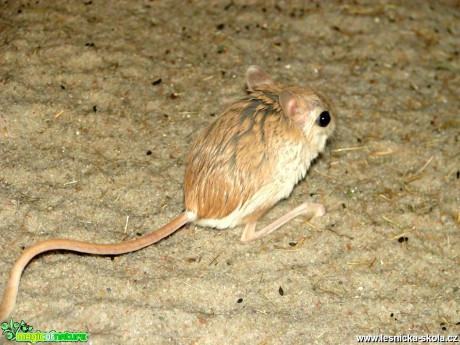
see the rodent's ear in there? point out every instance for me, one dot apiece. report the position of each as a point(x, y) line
point(256, 76)
point(293, 107)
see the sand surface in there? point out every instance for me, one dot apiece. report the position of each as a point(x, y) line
point(99, 104)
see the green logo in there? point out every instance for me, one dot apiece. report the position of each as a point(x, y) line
point(22, 332)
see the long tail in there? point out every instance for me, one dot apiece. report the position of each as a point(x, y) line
point(9, 298)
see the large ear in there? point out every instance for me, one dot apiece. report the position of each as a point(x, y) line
point(256, 76)
point(293, 107)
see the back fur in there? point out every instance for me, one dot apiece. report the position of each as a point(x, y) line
point(236, 156)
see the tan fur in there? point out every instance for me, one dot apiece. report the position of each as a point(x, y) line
point(239, 155)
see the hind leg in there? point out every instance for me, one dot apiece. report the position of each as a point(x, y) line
point(308, 209)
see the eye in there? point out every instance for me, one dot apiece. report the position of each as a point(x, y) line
point(323, 119)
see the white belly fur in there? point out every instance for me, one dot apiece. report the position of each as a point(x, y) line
point(293, 163)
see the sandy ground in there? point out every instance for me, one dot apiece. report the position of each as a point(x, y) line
point(93, 147)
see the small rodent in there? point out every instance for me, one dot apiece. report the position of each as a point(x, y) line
point(241, 165)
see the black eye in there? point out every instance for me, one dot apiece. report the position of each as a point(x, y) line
point(323, 119)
